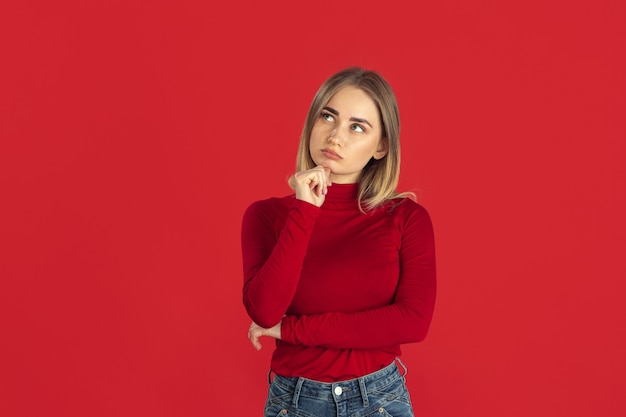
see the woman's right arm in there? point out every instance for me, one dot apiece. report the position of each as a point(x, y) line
point(272, 258)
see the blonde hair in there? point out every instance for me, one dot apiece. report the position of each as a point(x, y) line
point(379, 178)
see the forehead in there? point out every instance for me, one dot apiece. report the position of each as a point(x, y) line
point(352, 101)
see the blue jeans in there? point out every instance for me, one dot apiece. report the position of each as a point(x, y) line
point(382, 393)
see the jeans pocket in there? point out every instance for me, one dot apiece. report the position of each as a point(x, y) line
point(392, 400)
point(278, 399)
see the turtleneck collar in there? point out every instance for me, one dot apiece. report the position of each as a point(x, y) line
point(342, 194)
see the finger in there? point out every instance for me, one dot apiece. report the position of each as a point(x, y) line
point(325, 178)
point(317, 189)
point(327, 172)
point(321, 182)
point(316, 185)
point(254, 339)
point(311, 185)
point(309, 179)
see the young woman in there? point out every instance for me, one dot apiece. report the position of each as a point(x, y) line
point(341, 272)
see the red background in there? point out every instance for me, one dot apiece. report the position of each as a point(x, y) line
point(133, 134)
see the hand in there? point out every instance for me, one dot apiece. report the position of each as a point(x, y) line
point(257, 331)
point(312, 185)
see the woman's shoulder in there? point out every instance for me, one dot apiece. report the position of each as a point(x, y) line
point(406, 210)
point(271, 204)
point(406, 204)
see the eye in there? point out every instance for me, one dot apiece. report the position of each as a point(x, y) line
point(328, 117)
point(357, 128)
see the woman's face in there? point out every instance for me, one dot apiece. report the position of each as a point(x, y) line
point(347, 134)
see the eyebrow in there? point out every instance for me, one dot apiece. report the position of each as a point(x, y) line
point(352, 119)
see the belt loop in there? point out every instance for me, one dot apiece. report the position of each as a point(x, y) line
point(406, 371)
point(366, 401)
point(296, 392)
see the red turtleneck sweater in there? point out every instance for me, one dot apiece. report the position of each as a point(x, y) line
point(349, 287)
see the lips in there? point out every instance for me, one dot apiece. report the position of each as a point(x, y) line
point(331, 154)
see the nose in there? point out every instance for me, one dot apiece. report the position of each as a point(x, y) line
point(333, 137)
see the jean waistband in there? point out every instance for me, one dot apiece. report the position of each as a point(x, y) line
point(344, 390)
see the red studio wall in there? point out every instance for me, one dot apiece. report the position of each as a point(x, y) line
point(133, 134)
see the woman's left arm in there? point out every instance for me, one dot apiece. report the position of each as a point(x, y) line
point(406, 320)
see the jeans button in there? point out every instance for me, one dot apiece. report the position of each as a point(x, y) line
point(338, 390)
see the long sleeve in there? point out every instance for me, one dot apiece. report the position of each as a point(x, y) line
point(273, 253)
point(347, 287)
point(405, 320)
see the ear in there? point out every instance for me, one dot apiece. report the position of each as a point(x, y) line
point(383, 148)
